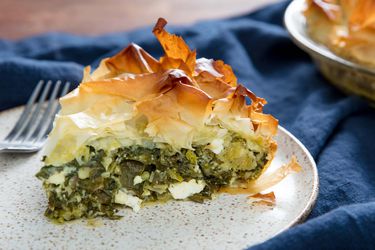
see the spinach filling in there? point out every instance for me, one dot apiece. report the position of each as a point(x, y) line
point(87, 188)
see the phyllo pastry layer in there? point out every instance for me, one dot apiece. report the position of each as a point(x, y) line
point(139, 130)
point(347, 27)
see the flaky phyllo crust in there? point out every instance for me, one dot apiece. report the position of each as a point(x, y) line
point(178, 95)
point(347, 27)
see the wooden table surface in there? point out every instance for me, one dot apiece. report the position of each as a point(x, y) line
point(21, 18)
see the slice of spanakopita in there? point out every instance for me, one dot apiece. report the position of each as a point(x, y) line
point(139, 130)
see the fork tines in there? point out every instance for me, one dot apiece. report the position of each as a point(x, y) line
point(36, 119)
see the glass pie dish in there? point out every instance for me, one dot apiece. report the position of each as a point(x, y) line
point(350, 77)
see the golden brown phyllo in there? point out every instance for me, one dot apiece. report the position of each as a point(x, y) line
point(139, 130)
point(347, 27)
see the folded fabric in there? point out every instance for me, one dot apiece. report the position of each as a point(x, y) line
point(338, 130)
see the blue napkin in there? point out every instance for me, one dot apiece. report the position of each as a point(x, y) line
point(338, 130)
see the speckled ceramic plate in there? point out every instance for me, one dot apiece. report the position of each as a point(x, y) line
point(228, 222)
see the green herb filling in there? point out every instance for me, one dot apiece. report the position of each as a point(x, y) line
point(89, 187)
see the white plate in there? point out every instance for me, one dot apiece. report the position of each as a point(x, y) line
point(228, 222)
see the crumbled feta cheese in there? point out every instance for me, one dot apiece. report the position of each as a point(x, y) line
point(146, 192)
point(185, 189)
point(197, 169)
point(84, 173)
point(216, 145)
point(57, 178)
point(122, 197)
point(106, 174)
point(106, 161)
point(137, 180)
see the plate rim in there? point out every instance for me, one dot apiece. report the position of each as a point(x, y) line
point(310, 46)
point(302, 216)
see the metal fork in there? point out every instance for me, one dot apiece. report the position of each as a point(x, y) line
point(35, 122)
